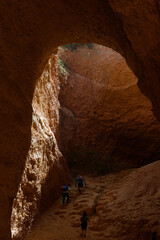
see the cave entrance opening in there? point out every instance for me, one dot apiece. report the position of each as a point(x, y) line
point(98, 126)
point(103, 114)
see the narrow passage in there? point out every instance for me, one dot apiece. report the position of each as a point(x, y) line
point(63, 221)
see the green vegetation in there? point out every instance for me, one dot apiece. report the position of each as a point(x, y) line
point(74, 46)
point(63, 67)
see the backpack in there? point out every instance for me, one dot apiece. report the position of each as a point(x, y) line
point(65, 188)
point(81, 179)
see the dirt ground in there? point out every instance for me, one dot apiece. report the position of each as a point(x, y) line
point(63, 221)
point(122, 206)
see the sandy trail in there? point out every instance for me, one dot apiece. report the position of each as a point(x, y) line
point(63, 221)
point(121, 206)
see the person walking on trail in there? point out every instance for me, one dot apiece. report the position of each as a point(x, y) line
point(84, 223)
point(80, 181)
point(66, 190)
point(154, 236)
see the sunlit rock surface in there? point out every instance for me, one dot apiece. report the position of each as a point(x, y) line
point(104, 116)
point(45, 170)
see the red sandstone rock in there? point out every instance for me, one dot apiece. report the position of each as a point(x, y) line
point(120, 206)
point(130, 205)
point(103, 112)
point(30, 30)
point(46, 170)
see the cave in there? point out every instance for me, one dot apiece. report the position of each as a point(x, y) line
point(30, 34)
point(89, 117)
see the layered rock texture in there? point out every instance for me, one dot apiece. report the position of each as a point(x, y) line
point(29, 31)
point(120, 206)
point(106, 122)
point(45, 170)
point(129, 206)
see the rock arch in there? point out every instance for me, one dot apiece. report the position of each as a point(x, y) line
point(29, 33)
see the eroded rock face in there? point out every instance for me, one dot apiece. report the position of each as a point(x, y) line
point(29, 33)
point(120, 206)
point(104, 116)
point(45, 170)
point(130, 211)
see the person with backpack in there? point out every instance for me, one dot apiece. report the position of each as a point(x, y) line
point(80, 181)
point(84, 223)
point(66, 190)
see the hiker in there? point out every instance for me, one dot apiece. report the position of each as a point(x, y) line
point(84, 223)
point(80, 181)
point(154, 236)
point(66, 190)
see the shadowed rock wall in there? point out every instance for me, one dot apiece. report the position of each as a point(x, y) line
point(30, 30)
point(128, 209)
point(106, 122)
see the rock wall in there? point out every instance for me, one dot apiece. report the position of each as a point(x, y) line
point(106, 122)
point(45, 170)
point(120, 206)
point(30, 30)
point(128, 208)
